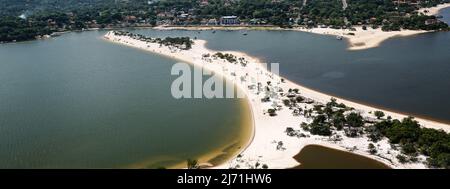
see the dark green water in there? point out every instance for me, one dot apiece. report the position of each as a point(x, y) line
point(320, 157)
point(78, 101)
point(406, 74)
point(410, 74)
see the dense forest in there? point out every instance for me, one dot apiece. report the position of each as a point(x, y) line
point(28, 19)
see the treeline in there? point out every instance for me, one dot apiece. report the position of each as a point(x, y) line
point(184, 43)
point(323, 12)
point(391, 16)
point(415, 140)
point(27, 25)
point(414, 22)
point(16, 29)
point(17, 7)
point(432, 3)
point(41, 16)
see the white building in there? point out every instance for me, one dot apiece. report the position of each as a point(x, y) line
point(229, 20)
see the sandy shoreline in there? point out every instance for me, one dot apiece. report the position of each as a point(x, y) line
point(363, 39)
point(358, 39)
point(205, 157)
point(268, 131)
point(433, 10)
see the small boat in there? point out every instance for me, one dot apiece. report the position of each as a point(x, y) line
point(245, 33)
point(214, 31)
point(339, 37)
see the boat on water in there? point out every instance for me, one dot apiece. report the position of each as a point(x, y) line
point(214, 31)
point(339, 37)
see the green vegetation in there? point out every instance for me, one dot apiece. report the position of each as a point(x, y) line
point(379, 114)
point(16, 29)
point(181, 42)
point(184, 43)
point(402, 159)
point(372, 149)
point(323, 12)
point(391, 16)
point(331, 116)
point(272, 112)
point(192, 164)
point(28, 19)
point(229, 57)
point(319, 126)
point(414, 140)
point(354, 120)
point(265, 166)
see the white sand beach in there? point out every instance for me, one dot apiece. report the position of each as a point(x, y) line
point(264, 148)
point(433, 10)
point(358, 39)
point(370, 38)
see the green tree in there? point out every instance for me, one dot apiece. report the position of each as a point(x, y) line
point(372, 149)
point(192, 164)
point(379, 114)
point(354, 120)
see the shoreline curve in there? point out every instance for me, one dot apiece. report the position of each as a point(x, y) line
point(264, 125)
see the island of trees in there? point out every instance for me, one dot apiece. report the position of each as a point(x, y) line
point(184, 43)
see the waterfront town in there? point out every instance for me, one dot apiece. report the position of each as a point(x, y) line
point(20, 23)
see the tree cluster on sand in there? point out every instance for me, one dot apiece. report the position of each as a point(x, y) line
point(184, 43)
point(412, 139)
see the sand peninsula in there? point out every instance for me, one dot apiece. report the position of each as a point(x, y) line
point(270, 145)
point(358, 38)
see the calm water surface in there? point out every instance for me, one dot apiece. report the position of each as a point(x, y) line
point(320, 157)
point(408, 74)
point(78, 101)
point(446, 15)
